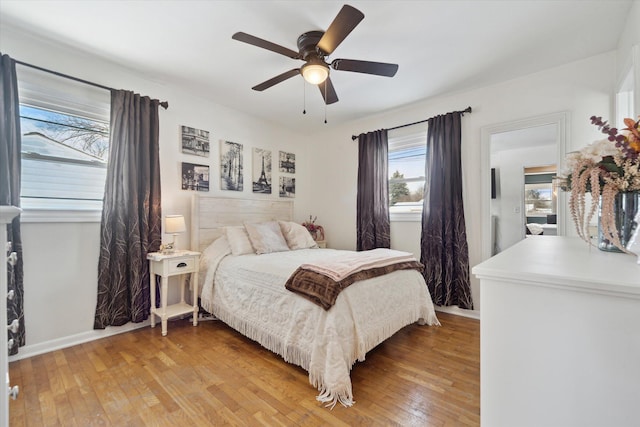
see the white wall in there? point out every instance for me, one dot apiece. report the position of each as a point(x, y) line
point(61, 258)
point(583, 88)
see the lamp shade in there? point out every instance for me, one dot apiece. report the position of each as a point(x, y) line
point(174, 224)
point(315, 73)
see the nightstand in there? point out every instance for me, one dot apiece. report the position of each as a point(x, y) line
point(322, 244)
point(167, 265)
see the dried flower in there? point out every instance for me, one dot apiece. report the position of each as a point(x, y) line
point(311, 224)
point(628, 143)
point(317, 231)
point(603, 168)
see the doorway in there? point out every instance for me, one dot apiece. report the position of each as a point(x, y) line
point(507, 149)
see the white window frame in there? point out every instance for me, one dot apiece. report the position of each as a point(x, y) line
point(403, 139)
point(55, 93)
point(625, 98)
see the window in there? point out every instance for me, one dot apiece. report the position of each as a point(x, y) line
point(407, 156)
point(540, 193)
point(65, 144)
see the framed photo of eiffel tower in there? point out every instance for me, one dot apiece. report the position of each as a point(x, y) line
point(261, 171)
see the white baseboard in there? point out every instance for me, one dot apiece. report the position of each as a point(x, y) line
point(59, 343)
point(454, 309)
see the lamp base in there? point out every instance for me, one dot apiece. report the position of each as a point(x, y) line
point(167, 248)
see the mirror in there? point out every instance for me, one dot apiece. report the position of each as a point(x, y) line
point(516, 158)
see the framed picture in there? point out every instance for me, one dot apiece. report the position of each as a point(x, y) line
point(195, 177)
point(287, 162)
point(195, 141)
point(261, 170)
point(287, 187)
point(231, 166)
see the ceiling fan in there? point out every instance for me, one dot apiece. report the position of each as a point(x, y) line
point(313, 49)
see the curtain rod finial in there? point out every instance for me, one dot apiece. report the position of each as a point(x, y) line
point(164, 104)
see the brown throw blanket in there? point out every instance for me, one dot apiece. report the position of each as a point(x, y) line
point(323, 290)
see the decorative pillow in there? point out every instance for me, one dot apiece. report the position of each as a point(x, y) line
point(266, 237)
point(238, 240)
point(297, 236)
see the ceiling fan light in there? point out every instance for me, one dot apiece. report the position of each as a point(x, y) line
point(315, 73)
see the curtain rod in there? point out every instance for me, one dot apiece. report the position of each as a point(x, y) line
point(163, 104)
point(466, 110)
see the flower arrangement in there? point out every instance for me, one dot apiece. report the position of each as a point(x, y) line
point(604, 168)
point(316, 231)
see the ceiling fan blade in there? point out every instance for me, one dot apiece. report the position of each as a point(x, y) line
point(366, 67)
point(255, 41)
point(277, 79)
point(330, 96)
point(346, 20)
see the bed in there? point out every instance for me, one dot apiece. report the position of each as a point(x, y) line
point(247, 292)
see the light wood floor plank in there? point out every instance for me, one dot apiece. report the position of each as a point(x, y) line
point(211, 375)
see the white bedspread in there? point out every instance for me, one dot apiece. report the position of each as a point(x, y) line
point(249, 295)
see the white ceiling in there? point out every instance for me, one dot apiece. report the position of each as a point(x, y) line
point(532, 137)
point(440, 46)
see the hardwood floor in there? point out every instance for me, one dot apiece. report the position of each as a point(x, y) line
point(211, 375)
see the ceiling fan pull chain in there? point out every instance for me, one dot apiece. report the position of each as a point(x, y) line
point(325, 104)
point(304, 97)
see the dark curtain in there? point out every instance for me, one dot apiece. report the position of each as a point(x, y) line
point(444, 250)
point(131, 216)
point(10, 143)
point(373, 226)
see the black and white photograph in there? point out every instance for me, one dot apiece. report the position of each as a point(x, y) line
point(287, 162)
point(195, 177)
point(231, 166)
point(287, 187)
point(195, 141)
point(261, 170)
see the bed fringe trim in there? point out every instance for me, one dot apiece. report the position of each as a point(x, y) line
point(342, 393)
point(331, 397)
point(381, 334)
point(290, 354)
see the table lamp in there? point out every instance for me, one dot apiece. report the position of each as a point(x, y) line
point(173, 224)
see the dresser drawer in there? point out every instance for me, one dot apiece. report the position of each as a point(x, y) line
point(181, 265)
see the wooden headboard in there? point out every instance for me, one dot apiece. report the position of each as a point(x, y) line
point(209, 214)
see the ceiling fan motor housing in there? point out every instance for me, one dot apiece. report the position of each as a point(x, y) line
point(307, 45)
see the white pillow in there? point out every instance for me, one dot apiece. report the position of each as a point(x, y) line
point(238, 240)
point(211, 257)
point(218, 247)
point(296, 235)
point(266, 237)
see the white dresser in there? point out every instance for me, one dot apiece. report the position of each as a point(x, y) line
point(560, 336)
point(7, 213)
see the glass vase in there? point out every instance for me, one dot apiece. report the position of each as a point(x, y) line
point(625, 209)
